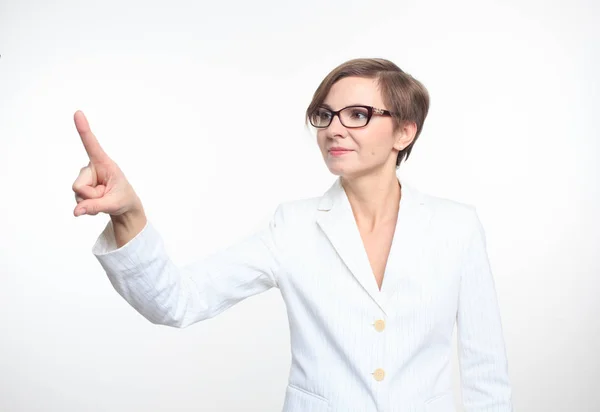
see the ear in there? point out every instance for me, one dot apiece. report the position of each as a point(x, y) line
point(404, 135)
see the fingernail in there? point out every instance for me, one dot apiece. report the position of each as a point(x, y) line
point(81, 212)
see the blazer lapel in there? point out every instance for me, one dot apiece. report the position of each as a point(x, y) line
point(407, 243)
point(337, 221)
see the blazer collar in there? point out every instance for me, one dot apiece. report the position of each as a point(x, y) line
point(337, 195)
point(337, 221)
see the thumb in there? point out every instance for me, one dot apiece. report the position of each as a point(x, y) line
point(91, 207)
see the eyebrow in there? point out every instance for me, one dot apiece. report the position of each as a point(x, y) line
point(325, 105)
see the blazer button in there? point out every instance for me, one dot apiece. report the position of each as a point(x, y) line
point(379, 325)
point(379, 374)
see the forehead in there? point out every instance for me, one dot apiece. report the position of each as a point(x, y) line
point(353, 90)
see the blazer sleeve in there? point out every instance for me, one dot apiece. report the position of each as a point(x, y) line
point(482, 355)
point(164, 293)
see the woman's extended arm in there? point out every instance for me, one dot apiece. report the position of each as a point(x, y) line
point(164, 293)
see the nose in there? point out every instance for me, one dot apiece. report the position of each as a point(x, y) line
point(336, 128)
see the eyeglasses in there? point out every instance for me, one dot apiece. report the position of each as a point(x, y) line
point(350, 116)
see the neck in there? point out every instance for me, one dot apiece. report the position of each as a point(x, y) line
point(375, 199)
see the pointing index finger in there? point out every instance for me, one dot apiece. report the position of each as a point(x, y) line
point(92, 147)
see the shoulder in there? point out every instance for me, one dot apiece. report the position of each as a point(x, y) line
point(297, 210)
point(448, 214)
point(446, 207)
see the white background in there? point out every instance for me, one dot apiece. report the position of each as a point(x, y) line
point(201, 104)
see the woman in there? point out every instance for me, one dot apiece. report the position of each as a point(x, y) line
point(374, 273)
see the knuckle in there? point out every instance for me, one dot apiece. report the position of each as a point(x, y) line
point(78, 187)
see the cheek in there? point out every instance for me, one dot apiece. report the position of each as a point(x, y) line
point(321, 140)
point(371, 145)
point(377, 144)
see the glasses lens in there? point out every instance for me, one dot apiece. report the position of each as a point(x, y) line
point(320, 117)
point(354, 116)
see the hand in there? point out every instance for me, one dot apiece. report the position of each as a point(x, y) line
point(101, 185)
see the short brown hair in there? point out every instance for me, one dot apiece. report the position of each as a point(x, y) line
point(402, 94)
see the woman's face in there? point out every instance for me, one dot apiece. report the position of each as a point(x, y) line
point(371, 148)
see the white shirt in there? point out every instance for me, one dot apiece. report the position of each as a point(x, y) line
point(354, 347)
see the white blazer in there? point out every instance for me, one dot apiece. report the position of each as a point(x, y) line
point(354, 347)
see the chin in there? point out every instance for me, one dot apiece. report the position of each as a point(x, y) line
point(339, 171)
point(335, 170)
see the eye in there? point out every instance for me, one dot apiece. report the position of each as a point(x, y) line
point(358, 114)
point(322, 114)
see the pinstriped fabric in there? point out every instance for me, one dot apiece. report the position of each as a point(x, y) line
point(437, 276)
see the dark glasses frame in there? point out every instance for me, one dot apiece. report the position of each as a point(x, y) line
point(370, 112)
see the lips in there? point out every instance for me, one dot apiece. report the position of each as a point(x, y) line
point(337, 152)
